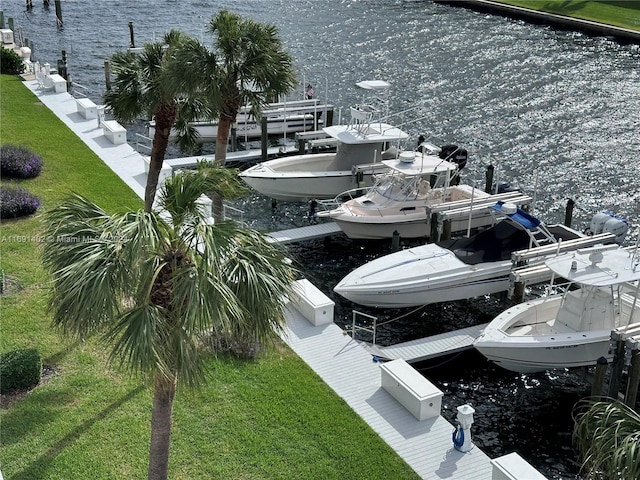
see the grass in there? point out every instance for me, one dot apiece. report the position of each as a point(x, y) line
point(623, 13)
point(272, 418)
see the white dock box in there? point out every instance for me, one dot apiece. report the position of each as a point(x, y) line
point(115, 132)
point(417, 394)
point(514, 467)
point(314, 305)
point(86, 108)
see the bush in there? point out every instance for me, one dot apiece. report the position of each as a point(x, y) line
point(17, 202)
point(10, 62)
point(17, 161)
point(20, 370)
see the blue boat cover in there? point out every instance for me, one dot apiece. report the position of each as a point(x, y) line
point(525, 219)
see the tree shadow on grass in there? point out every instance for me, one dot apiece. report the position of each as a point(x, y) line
point(39, 465)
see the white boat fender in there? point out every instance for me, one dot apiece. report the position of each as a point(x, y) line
point(462, 434)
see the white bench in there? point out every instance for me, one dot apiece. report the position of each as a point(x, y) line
point(417, 394)
point(115, 132)
point(86, 108)
point(314, 305)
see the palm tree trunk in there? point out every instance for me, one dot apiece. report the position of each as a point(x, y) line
point(163, 396)
point(222, 140)
point(165, 116)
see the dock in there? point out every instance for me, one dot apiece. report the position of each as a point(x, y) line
point(348, 369)
point(428, 348)
point(319, 230)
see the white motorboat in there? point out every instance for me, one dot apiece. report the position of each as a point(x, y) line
point(456, 269)
point(571, 329)
point(283, 118)
point(362, 144)
point(401, 200)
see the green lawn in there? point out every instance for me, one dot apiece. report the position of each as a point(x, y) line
point(268, 419)
point(620, 13)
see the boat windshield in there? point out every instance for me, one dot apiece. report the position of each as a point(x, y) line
point(396, 188)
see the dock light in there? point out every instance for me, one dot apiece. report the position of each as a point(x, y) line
point(462, 434)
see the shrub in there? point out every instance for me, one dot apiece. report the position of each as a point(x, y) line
point(17, 202)
point(20, 370)
point(17, 161)
point(10, 62)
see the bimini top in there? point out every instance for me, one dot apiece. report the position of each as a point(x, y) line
point(598, 266)
point(373, 85)
point(525, 219)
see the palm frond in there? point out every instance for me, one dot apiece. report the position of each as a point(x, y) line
point(607, 433)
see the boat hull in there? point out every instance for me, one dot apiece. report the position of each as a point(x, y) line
point(535, 336)
point(305, 177)
point(420, 276)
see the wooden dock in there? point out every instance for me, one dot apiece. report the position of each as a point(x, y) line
point(429, 347)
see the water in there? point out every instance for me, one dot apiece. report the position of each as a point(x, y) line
point(557, 111)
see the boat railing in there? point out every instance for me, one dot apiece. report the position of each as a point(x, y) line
point(358, 328)
point(232, 213)
point(333, 203)
point(143, 142)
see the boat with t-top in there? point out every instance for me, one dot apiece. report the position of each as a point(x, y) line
point(573, 328)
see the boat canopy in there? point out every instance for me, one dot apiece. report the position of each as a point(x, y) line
point(494, 244)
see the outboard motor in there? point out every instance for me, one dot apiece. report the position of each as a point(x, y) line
point(618, 226)
point(598, 221)
point(453, 153)
point(607, 222)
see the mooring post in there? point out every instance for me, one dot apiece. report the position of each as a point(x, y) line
point(58, 13)
point(446, 230)
point(107, 75)
point(29, 4)
point(263, 131)
point(617, 365)
point(634, 377)
point(10, 22)
point(598, 379)
point(518, 293)
point(132, 43)
point(434, 237)
point(329, 120)
point(234, 134)
point(395, 241)
point(489, 179)
point(45, 3)
point(2, 20)
point(568, 212)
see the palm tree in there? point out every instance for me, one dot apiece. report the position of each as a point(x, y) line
point(152, 284)
point(142, 86)
point(251, 67)
point(607, 434)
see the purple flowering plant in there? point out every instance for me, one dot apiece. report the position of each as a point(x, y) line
point(17, 202)
point(17, 161)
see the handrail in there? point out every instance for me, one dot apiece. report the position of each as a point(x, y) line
point(355, 328)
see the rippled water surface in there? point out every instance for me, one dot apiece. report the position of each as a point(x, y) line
point(557, 111)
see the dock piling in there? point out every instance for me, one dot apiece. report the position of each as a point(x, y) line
point(58, 13)
point(132, 43)
point(489, 179)
point(598, 380)
point(107, 75)
point(568, 213)
point(634, 378)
